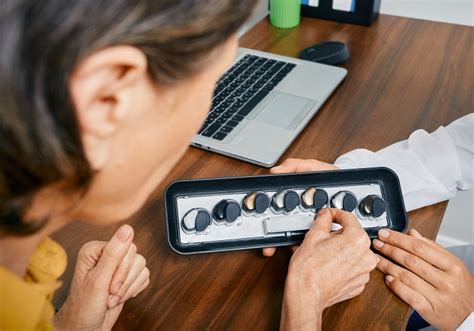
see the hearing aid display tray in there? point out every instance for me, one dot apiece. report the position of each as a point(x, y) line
point(233, 213)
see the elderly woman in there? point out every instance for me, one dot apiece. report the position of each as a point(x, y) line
point(98, 100)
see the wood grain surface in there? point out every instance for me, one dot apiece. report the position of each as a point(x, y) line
point(404, 74)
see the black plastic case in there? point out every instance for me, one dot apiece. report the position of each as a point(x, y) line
point(384, 178)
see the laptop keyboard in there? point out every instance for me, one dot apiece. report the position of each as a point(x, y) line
point(242, 88)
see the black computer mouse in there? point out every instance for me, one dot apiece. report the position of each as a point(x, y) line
point(329, 52)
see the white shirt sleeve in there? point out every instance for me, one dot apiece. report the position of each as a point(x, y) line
point(468, 324)
point(431, 167)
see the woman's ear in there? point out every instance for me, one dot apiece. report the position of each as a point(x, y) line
point(100, 87)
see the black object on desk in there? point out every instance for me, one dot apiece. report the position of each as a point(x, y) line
point(373, 195)
point(329, 52)
point(364, 12)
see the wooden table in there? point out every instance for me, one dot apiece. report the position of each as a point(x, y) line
point(404, 74)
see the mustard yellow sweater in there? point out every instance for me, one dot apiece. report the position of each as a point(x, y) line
point(25, 304)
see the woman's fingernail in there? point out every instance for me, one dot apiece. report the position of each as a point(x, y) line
point(116, 287)
point(377, 243)
point(124, 233)
point(389, 278)
point(384, 233)
point(114, 301)
point(377, 258)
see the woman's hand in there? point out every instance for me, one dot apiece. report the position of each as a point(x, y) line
point(297, 165)
point(106, 275)
point(427, 277)
point(326, 269)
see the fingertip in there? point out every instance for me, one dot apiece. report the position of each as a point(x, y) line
point(112, 301)
point(377, 258)
point(269, 251)
point(280, 169)
point(389, 279)
point(383, 234)
point(124, 233)
point(377, 243)
point(414, 233)
point(378, 263)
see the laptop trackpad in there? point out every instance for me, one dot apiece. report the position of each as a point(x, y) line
point(285, 111)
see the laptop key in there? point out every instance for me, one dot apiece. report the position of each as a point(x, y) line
point(239, 103)
point(233, 123)
point(219, 110)
point(253, 58)
point(233, 109)
point(281, 74)
point(274, 69)
point(288, 67)
point(237, 118)
point(226, 115)
point(211, 130)
point(274, 81)
point(227, 129)
point(248, 95)
point(219, 135)
point(268, 88)
point(247, 108)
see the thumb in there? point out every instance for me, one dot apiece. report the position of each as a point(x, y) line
point(113, 252)
point(88, 257)
point(323, 221)
point(321, 226)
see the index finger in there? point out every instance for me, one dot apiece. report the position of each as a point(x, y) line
point(437, 257)
point(123, 270)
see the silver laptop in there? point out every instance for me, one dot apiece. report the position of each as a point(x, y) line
point(262, 103)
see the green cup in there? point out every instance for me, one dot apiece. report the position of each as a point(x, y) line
point(285, 13)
